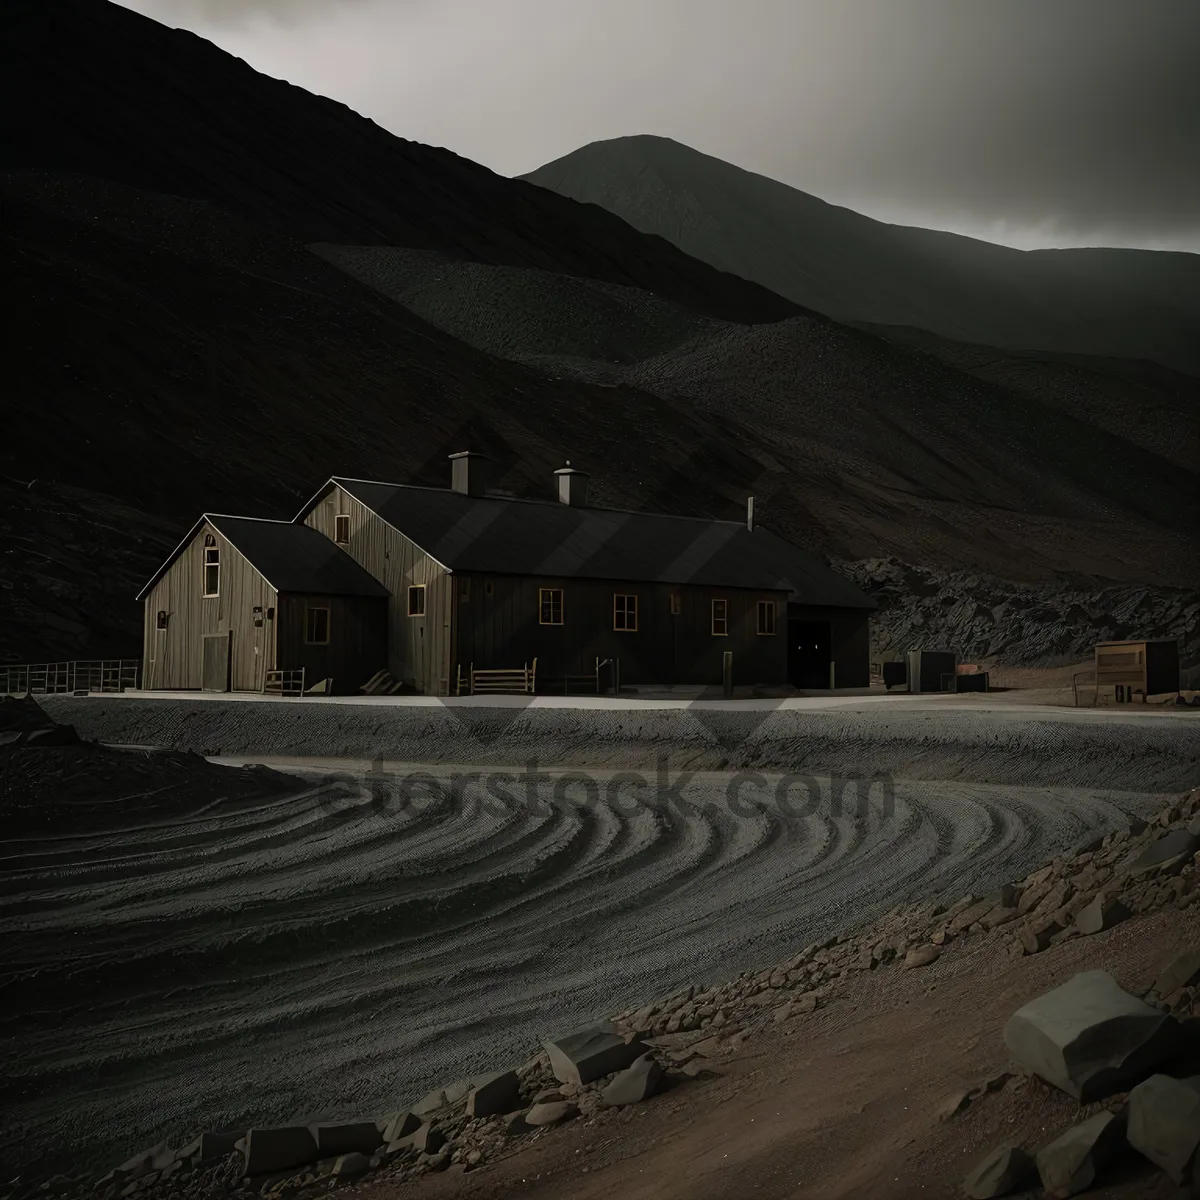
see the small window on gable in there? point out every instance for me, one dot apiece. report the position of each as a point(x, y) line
point(676, 604)
point(720, 618)
point(489, 588)
point(625, 613)
point(464, 588)
point(766, 617)
point(341, 529)
point(160, 621)
point(416, 600)
point(316, 626)
point(550, 606)
point(212, 566)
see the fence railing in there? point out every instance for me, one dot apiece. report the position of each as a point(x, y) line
point(87, 675)
point(284, 683)
point(497, 681)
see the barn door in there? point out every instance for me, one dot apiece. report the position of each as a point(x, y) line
point(215, 673)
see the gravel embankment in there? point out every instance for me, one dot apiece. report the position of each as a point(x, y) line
point(1142, 752)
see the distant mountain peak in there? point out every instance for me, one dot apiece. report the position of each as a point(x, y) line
point(1136, 304)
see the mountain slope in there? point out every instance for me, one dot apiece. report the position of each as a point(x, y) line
point(180, 352)
point(1121, 303)
point(92, 88)
point(175, 358)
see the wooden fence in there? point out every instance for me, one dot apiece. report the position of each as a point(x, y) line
point(89, 675)
point(284, 683)
point(519, 680)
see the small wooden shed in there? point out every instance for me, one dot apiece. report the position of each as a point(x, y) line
point(1145, 667)
point(241, 598)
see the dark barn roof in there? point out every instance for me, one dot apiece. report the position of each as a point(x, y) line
point(535, 537)
point(290, 557)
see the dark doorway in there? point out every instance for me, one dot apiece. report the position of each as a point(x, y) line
point(809, 650)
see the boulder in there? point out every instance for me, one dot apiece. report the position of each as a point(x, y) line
point(349, 1165)
point(636, 1083)
point(591, 1053)
point(1090, 1038)
point(1008, 1169)
point(922, 956)
point(491, 1095)
point(1180, 973)
point(142, 1163)
point(972, 913)
point(210, 1146)
point(427, 1138)
point(550, 1112)
point(1168, 852)
point(515, 1125)
point(443, 1097)
point(1036, 935)
point(335, 1138)
point(1103, 912)
point(1073, 1162)
point(999, 915)
point(279, 1149)
point(397, 1126)
point(1164, 1122)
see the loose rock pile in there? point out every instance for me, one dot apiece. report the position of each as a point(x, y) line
point(1093, 1041)
point(1088, 1038)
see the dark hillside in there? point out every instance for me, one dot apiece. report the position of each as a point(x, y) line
point(1139, 304)
point(93, 88)
point(173, 358)
point(177, 359)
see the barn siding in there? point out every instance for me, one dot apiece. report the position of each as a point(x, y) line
point(497, 626)
point(172, 657)
point(357, 646)
point(418, 647)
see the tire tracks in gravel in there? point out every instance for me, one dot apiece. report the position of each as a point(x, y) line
point(290, 959)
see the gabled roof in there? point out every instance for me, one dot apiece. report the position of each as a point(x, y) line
point(290, 557)
point(506, 535)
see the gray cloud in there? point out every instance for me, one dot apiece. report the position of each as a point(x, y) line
point(1029, 121)
point(219, 14)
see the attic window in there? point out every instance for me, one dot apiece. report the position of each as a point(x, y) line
point(676, 604)
point(341, 529)
point(212, 566)
point(160, 621)
point(416, 600)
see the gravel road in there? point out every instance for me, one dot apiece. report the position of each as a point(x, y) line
point(340, 950)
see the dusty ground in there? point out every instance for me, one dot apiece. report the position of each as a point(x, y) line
point(845, 1104)
point(185, 957)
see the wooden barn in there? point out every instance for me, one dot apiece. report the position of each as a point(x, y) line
point(490, 582)
point(241, 600)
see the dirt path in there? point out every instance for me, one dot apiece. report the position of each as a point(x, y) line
point(843, 1104)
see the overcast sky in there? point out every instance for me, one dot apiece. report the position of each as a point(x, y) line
point(1031, 122)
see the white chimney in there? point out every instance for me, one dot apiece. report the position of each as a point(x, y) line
point(572, 486)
